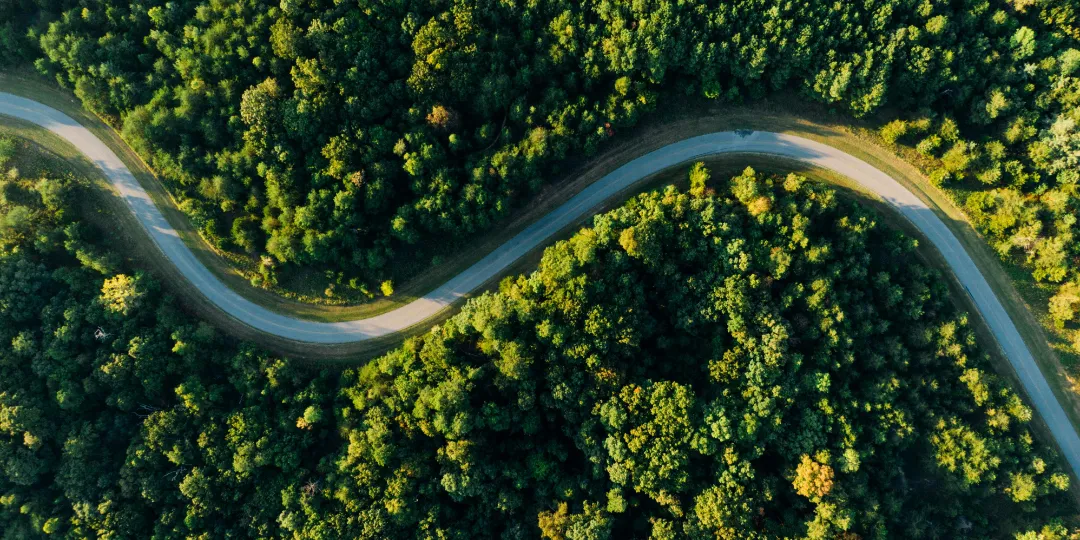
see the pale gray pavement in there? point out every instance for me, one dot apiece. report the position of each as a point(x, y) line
point(573, 211)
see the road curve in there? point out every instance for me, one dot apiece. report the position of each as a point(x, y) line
point(573, 211)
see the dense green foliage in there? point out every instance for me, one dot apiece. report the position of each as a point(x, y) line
point(16, 44)
point(1014, 164)
point(117, 409)
point(331, 134)
point(757, 359)
point(765, 362)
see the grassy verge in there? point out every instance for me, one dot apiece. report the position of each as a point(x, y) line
point(230, 268)
point(1024, 300)
point(45, 153)
point(725, 167)
point(299, 295)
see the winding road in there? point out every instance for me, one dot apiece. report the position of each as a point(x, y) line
point(573, 211)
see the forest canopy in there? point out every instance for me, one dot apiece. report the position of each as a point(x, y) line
point(348, 135)
point(759, 358)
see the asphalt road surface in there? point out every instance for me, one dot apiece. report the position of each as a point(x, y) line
point(571, 212)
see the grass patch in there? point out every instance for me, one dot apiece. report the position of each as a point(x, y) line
point(1024, 300)
point(45, 153)
point(40, 153)
point(232, 269)
point(725, 167)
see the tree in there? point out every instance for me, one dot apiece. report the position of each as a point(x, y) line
point(7, 152)
point(1023, 43)
point(1058, 148)
point(1050, 259)
point(699, 178)
point(121, 294)
point(1065, 303)
point(649, 437)
point(764, 322)
point(442, 118)
point(960, 449)
point(813, 480)
point(894, 130)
